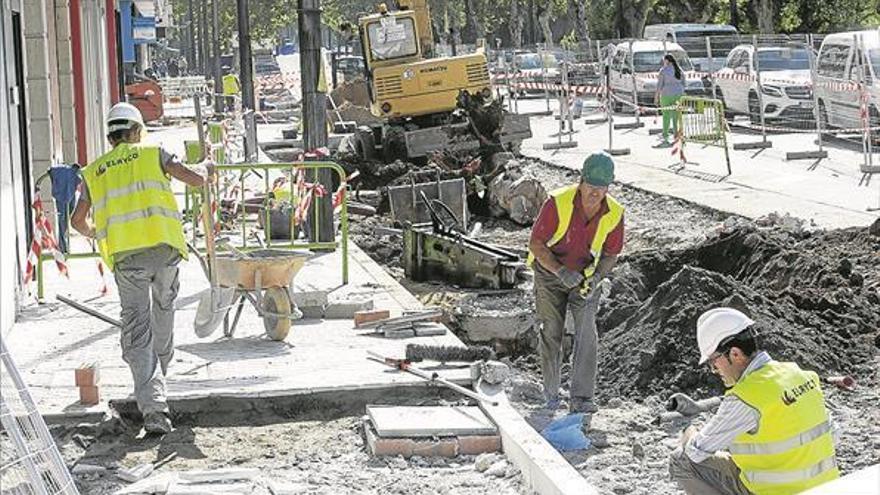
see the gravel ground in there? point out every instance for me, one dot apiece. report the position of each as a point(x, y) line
point(820, 289)
point(305, 455)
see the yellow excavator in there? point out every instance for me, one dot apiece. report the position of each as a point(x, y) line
point(427, 104)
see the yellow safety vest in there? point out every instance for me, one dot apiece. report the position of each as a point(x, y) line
point(132, 203)
point(793, 449)
point(231, 86)
point(564, 200)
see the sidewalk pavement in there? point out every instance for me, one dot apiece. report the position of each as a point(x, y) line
point(761, 182)
point(50, 340)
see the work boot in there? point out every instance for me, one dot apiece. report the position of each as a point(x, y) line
point(552, 402)
point(157, 423)
point(583, 405)
point(662, 144)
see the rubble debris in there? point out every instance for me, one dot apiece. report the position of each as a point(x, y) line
point(495, 317)
point(492, 372)
point(516, 194)
point(354, 92)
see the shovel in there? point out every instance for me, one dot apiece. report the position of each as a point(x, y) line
point(215, 302)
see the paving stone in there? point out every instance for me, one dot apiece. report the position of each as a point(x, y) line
point(310, 298)
point(344, 310)
point(429, 421)
point(367, 316)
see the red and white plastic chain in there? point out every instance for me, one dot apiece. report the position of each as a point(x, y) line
point(43, 238)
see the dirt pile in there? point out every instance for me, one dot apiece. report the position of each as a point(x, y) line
point(354, 92)
point(815, 296)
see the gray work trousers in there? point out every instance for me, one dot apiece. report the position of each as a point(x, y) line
point(717, 475)
point(552, 300)
point(147, 282)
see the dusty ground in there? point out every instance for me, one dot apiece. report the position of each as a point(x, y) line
point(309, 455)
point(817, 295)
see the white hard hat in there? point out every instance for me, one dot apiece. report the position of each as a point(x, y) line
point(717, 324)
point(122, 116)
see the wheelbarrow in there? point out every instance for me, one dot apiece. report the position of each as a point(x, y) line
point(263, 277)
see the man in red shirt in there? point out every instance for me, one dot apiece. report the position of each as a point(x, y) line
point(575, 242)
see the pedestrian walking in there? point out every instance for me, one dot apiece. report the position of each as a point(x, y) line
point(670, 88)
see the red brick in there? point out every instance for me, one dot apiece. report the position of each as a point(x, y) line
point(86, 377)
point(361, 317)
point(478, 444)
point(443, 447)
point(392, 446)
point(89, 396)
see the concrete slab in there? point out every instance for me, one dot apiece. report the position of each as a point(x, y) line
point(429, 421)
point(825, 191)
point(544, 469)
point(51, 340)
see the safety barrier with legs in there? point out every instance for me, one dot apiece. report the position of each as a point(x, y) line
point(701, 121)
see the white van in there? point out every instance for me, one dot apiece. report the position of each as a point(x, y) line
point(838, 71)
point(646, 59)
point(692, 37)
point(785, 83)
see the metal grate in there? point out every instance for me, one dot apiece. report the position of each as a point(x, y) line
point(30, 463)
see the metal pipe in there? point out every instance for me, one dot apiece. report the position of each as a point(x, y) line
point(89, 311)
point(431, 377)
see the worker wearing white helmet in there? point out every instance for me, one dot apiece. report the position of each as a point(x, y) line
point(128, 208)
point(771, 434)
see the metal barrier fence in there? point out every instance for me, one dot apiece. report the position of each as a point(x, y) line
point(29, 459)
point(192, 204)
point(768, 84)
point(701, 120)
point(303, 196)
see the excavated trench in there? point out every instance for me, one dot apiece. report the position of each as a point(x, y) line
point(814, 296)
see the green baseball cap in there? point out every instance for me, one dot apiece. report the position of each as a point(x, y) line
point(598, 169)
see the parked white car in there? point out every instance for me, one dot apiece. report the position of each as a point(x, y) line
point(839, 72)
point(646, 60)
point(785, 84)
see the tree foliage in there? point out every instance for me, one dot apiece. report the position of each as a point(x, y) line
point(605, 19)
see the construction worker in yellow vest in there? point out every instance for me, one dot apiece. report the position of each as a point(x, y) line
point(136, 223)
point(574, 244)
point(231, 88)
point(771, 434)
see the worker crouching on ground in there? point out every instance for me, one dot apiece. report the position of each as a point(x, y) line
point(575, 243)
point(137, 225)
point(771, 434)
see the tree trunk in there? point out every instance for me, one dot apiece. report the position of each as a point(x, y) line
point(469, 30)
point(515, 24)
point(544, 21)
point(581, 28)
point(734, 14)
point(765, 16)
point(631, 17)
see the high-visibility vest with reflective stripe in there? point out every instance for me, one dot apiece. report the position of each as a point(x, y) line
point(133, 206)
point(793, 449)
point(564, 201)
point(231, 85)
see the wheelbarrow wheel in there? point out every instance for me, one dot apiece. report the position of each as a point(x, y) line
point(276, 300)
